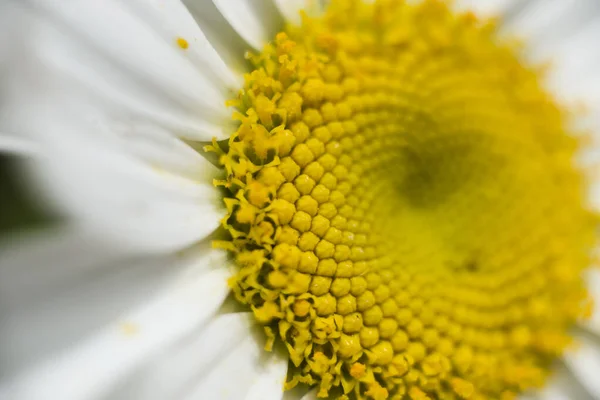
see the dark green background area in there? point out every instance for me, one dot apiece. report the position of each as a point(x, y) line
point(17, 211)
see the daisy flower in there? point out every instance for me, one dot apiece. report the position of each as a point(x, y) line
point(285, 199)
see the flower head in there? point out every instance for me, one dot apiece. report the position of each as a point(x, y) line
point(391, 191)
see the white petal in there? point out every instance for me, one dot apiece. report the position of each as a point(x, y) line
point(179, 368)
point(584, 362)
point(171, 373)
point(224, 39)
point(257, 21)
point(593, 284)
point(528, 396)
point(123, 57)
point(574, 60)
point(575, 80)
point(488, 8)
point(245, 370)
point(542, 21)
point(19, 145)
point(133, 194)
point(56, 281)
point(564, 33)
point(270, 383)
point(91, 368)
point(174, 20)
point(130, 204)
point(290, 9)
point(562, 386)
point(33, 263)
point(108, 134)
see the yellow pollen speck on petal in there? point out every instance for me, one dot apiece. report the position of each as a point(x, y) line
point(404, 205)
point(129, 329)
point(182, 43)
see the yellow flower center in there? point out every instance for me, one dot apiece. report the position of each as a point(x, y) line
point(403, 206)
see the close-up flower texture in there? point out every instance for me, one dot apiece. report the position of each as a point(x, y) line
point(294, 199)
